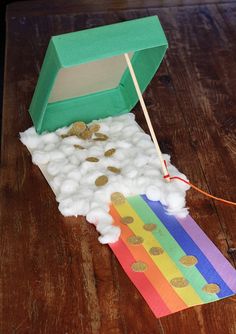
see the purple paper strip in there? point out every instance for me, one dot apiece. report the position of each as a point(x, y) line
point(222, 266)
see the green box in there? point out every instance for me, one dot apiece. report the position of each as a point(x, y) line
point(84, 74)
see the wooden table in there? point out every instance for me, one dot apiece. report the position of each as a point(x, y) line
point(55, 276)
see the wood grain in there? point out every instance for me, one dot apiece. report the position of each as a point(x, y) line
point(55, 276)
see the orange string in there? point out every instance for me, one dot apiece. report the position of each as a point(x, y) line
point(198, 189)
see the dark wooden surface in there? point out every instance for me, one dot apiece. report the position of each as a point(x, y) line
point(55, 276)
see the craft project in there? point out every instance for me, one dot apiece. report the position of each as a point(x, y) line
point(93, 153)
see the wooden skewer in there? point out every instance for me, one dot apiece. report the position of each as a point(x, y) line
point(144, 108)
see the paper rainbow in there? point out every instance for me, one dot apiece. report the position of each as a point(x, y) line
point(171, 261)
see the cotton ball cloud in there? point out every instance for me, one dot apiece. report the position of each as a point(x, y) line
point(72, 178)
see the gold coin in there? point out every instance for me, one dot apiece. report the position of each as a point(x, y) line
point(117, 198)
point(100, 136)
point(65, 135)
point(79, 147)
point(127, 220)
point(139, 266)
point(94, 127)
point(156, 250)
point(211, 288)
point(110, 152)
point(149, 227)
point(77, 128)
point(135, 240)
point(101, 180)
point(86, 134)
point(99, 139)
point(188, 260)
point(179, 282)
point(114, 169)
point(92, 159)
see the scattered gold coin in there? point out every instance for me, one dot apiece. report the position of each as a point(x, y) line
point(92, 159)
point(114, 169)
point(127, 220)
point(86, 134)
point(77, 128)
point(135, 240)
point(100, 136)
point(188, 260)
point(139, 266)
point(149, 227)
point(65, 135)
point(211, 288)
point(99, 139)
point(156, 250)
point(117, 198)
point(110, 152)
point(101, 180)
point(79, 147)
point(94, 127)
point(179, 282)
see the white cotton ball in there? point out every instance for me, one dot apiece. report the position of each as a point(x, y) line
point(49, 147)
point(56, 155)
point(175, 200)
point(110, 237)
point(123, 144)
point(129, 171)
point(116, 127)
point(104, 128)
point(129, 131)
point(73, 160)
point(151, 151)
point(140, 136)
point(85, 192)
point(56, 182)
point(153, 193)
point(54, 168)
point(98, 215)
point(141, 160)
point(73, 140)
point(74, 174)
point(50, 138)
point(101, 195)
point(103, 227)
point(40, 157)
point(68, 168)
point(95, 151)
point(80, 155)
point(126, 118)
point(30, 141)
point(69, 186)
point(73, 207)
point(120, 155)
point(67, 149)
point(145, 144)
point(153, 173)
point(182, 213)
point(89, 176)
point(100, 205)
point(154, 161)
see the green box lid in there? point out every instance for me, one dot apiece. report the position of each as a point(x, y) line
point(84, 75)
